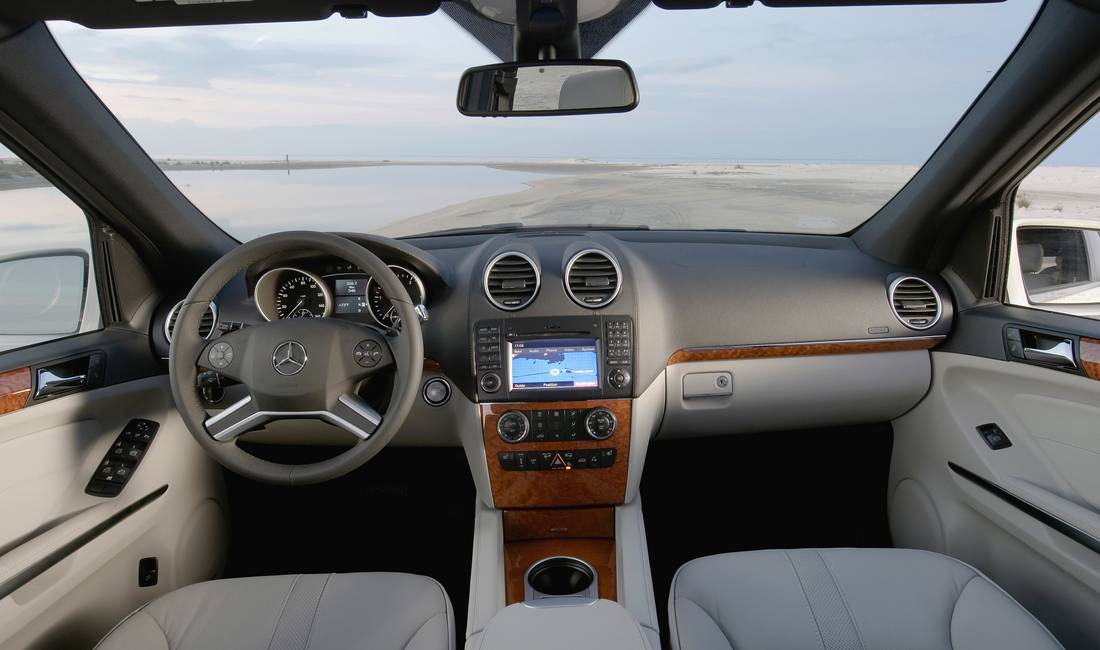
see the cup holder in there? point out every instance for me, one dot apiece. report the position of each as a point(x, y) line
point(560, 577)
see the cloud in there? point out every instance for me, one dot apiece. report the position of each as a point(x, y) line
point(884, 83)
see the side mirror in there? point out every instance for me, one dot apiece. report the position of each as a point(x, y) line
point(548, 88)
point(43, 293)
point(1057, 266)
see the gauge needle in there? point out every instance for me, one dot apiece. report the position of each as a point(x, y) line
point(295, 307)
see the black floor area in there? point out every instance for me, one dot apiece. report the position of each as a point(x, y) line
point(408, 510)
point(822, 488)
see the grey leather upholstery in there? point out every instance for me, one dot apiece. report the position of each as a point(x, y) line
point(845, 598)
point(350, 611)
point(591, 625)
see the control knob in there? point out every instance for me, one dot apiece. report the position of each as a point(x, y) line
point(513, 426)
point(600, 423)
point(618, 378)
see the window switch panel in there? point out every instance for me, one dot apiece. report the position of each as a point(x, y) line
point(122, 458)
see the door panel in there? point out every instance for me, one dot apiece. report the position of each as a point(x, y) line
point(1024, 530)
point(72, 558)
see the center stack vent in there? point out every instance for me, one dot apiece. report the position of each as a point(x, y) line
point(592, 278)
point(511, 281)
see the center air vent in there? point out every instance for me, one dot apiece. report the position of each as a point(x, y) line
point(206, 325)
point(511, 281)
point(592, 278)
point(915, 302)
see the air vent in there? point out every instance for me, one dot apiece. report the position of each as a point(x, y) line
point(592, 278)
point(915, 302)
point(206, 325)
point(511, 281)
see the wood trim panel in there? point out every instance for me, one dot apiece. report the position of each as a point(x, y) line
point(557, 488)
point(723, 353)
point(519, 556)
point(567, 523)
point(15, 389)
point(1090, 357)
point(431, 365)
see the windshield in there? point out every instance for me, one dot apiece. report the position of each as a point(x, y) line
point(782, 120)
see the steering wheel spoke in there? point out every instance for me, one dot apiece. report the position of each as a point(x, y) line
point(237, 418)
point(355, 416)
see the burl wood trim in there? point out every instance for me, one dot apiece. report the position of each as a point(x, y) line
point(431, 365)
point(15, 389)
point(1090, 357)
point(557, 488)
point(723, 353)
point(559, 524)
point(519, 556)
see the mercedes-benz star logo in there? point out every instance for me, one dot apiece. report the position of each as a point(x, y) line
point(289, 358)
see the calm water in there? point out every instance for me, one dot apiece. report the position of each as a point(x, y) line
point(250, 203)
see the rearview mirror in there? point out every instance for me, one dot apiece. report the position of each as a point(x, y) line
point(547, 88)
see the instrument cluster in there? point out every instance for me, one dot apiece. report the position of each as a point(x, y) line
point(290, 292)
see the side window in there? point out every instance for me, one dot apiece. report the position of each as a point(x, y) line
point(47, 287)
point(1055, 261)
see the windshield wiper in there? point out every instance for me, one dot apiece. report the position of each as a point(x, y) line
point(515, 226)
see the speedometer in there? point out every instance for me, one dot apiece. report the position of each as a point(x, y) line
point(292, 293)
point(380, 306)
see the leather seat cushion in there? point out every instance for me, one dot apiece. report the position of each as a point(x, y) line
point(845, 598)
point(351, 611)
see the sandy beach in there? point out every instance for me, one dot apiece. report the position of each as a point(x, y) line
point(778, 197)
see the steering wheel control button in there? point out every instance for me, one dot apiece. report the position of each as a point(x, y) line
point(289, 358)
point(369, 354)
point(513, 426)
point(618, 378)
point(437, 391)
point(220, 355)
point(490, 382)
point(600, 423)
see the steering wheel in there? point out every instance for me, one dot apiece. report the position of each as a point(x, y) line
point(302, 368)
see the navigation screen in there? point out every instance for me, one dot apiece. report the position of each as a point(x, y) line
point(549, 364)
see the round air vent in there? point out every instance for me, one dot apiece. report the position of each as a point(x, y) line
point(915, 302)
point(592, 278)
point(206, 325)
point(511, 281)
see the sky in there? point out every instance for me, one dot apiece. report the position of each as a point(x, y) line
point(870, 84)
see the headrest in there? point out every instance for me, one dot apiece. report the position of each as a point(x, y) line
point(596, 89)
point(1031, 257)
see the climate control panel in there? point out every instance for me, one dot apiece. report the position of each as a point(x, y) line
point(556, 425)
point(557, 454)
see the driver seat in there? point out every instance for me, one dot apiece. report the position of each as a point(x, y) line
point(349, 611)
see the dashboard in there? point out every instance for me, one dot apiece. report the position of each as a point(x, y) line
point(717, 332)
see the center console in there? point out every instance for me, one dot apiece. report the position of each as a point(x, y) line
point(555, 390)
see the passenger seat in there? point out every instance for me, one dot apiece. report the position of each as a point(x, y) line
point(875, 599)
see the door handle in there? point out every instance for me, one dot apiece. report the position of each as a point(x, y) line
point(1057, 352)
point(51, 382)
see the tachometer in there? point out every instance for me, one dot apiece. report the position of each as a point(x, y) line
point(381, 307)
point(292, 293)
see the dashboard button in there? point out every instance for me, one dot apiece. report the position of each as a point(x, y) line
point(490, 382)
point(437, 391)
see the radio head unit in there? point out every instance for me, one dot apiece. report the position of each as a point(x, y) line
point(567, 358)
